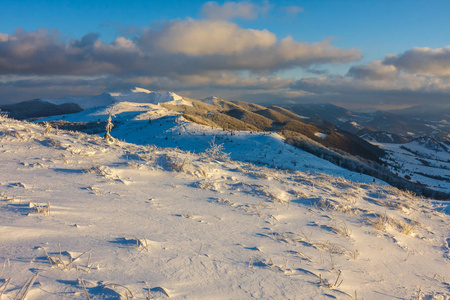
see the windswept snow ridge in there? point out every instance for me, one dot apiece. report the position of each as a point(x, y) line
point(140, 95)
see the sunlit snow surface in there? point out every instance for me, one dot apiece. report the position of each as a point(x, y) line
point(115, 220)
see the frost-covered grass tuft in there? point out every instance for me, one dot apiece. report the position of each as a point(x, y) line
point(43, 209)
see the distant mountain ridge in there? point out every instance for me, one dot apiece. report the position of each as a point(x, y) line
point(403, 125)
point(37, 108)
point(394, 126)
point(428, 112)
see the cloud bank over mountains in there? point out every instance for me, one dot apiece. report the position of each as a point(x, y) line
point(417, 76)
point(422, 61)
point(214, 55)
point(184, 47)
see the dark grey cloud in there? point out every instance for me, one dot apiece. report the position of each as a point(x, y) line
point(422, 61)
point(54, 87)
point(367, 88)
point(318, 71)
point(374, 71)
point(366, 100)
point(46, 53)
point(86, 41)
point(222, 84)
point(415, 77)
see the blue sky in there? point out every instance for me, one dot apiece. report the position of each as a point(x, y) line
point(337, 50)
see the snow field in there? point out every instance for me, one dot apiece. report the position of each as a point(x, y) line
point(119, 220)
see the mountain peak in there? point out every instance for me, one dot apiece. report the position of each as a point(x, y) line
point(140, 90)
point(210, 99)
point(141, 95)
point(135, 90)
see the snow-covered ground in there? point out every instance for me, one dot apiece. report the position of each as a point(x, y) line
point(424, 161)
point(83, 218)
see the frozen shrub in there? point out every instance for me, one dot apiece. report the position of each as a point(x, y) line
point(215, 151)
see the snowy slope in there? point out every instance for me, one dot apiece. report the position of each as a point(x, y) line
point(119, 220)
point(170, 129)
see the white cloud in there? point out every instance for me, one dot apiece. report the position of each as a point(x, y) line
point(293, 9)
point(232, 10)
point(4, 37)
point(223, 45)
point(321, 52)
point(207, 37)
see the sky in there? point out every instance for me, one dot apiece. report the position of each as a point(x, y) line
point(363, 55)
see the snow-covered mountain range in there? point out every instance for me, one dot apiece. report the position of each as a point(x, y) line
point(338, 144)
point(395, 126)
point(303, 129)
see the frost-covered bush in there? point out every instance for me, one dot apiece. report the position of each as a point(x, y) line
point(215, 151)
point(109, 126)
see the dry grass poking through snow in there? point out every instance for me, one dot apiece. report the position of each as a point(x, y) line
point(42, 208)
point(381, 222)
